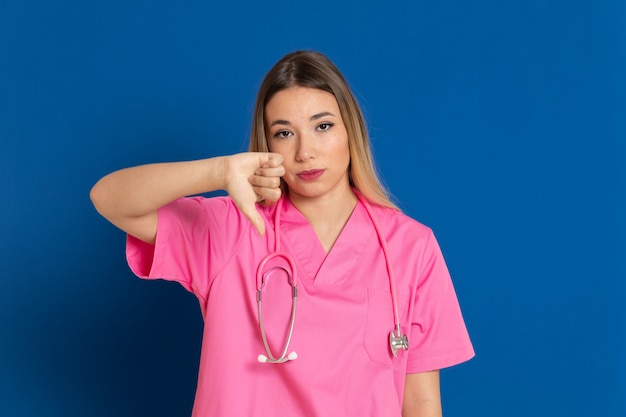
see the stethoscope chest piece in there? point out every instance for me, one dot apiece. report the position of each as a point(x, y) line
point(397, 341)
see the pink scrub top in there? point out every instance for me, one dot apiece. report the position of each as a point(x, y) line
point(344, 310)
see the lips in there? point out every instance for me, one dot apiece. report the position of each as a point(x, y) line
point(311, 174)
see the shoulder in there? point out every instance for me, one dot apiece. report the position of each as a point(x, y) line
point(396, 224)
point(201, 204)
point(219, 214)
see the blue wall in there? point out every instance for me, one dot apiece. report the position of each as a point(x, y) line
point(500, 124)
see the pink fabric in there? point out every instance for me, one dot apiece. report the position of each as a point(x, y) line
point(344, 312)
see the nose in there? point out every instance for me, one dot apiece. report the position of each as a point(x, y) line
point(306, 148)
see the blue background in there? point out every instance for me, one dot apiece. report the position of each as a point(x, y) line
point(500, 124)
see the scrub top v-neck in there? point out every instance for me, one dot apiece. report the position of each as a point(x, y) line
point(319, 268)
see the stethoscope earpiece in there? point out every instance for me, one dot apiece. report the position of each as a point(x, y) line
point(264, 359)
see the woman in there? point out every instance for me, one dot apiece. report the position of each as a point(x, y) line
point(310, 177)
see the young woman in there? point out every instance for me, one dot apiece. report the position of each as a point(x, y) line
point(353, 280)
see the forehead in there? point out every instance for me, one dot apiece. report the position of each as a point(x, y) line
point(296, 102)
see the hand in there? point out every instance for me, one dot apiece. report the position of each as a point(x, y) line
point(253, 177)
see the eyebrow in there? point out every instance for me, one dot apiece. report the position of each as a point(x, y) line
point(320, 115)
point(312, 118)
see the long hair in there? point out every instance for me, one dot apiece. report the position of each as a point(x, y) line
point(315, 70)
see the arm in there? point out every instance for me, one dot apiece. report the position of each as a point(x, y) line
point(422, 396)
point(130, 198)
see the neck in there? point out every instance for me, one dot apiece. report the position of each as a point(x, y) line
point(327, 214)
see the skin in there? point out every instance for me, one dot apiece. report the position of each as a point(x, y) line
point(422, 397)
point(304, 125)
point(305, 131)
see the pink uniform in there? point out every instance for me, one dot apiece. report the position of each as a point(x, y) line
point(344, 311)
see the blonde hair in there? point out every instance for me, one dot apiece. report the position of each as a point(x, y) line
point(315, 70)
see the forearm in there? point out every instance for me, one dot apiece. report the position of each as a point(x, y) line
point(422, 395)
point(138, 191)
point(423, 408)
point(129, 198)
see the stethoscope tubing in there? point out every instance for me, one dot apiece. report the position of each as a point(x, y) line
point(263, 277)
point(260, 276)
point(390, 271)
point(294, 297)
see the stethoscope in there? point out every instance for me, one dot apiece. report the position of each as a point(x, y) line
point(397, 340)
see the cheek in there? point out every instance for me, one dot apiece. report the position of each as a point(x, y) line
point(272, 146)
point(344, 150)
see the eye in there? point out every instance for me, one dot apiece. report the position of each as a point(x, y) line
point(325, 126)
point(281, 134)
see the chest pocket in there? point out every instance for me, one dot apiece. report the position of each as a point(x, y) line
point(379, 323)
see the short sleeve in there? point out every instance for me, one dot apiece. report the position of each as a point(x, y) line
point(195, 237)
point(438, 336)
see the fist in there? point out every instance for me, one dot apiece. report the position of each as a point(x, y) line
point(252, 177)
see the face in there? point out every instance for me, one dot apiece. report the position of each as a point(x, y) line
point(304, 125)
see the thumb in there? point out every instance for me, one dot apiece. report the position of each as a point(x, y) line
point(255, 218)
